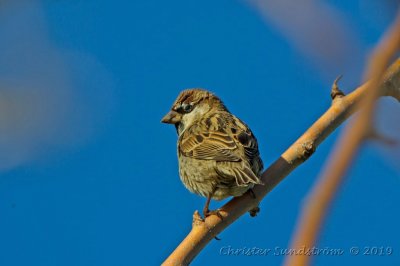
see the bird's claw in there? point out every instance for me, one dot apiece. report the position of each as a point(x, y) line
point(216, 212)
point(253, 212)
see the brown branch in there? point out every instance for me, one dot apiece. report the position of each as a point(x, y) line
point(342, 107)
point(316, 206)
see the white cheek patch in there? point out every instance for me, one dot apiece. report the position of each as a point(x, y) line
point(190, 118)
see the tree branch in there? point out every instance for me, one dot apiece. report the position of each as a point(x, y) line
point(316, 206)
point(203, 231)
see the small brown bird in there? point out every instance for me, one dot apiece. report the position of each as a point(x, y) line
point(218, 154)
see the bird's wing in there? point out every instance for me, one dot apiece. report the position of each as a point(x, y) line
point(226, 139)
point(209, 145)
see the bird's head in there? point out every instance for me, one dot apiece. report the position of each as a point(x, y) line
point(190, 106)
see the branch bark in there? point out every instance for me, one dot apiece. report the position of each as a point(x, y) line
point(203, 231)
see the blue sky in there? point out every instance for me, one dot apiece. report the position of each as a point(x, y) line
point(88, 174)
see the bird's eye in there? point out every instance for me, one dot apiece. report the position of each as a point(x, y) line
point(187, 108)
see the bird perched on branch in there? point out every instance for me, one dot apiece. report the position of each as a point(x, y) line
point(218, 154)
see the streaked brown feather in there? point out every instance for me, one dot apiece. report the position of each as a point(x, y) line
point(211, 146)
point(217, 141)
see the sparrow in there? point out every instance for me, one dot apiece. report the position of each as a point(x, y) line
point(218, 153)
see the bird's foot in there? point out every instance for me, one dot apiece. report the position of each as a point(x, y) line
point(253, 212)
point(207, 212)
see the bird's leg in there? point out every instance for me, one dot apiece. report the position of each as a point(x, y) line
point(252, 193)
point(206, 211)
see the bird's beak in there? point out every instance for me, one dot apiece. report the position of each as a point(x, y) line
point(172, 117)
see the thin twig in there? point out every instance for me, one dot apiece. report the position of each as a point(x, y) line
point(317, 204)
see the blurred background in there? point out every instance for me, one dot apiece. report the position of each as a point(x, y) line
point(88, 174)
